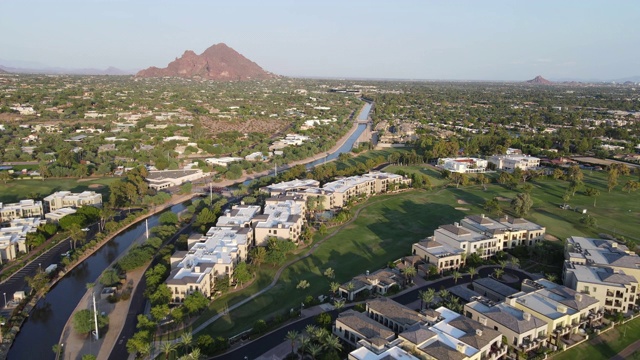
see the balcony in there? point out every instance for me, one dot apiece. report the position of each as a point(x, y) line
point(562, 330)
point(497, 352)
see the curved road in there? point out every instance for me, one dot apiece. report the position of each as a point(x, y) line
point(259, 346)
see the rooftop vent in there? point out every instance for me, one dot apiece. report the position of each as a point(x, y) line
point(526, 316)
point(478, 332)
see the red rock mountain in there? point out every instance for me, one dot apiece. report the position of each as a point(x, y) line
point(219, 62)
point(539, 80)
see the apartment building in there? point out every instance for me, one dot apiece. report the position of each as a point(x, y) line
point(13, 237)
point(454, 235)
point(282, 217)
point(514, 161)
point(67, 199)
point(602, 253)
point(210, 256)
point(239, 216)
point(522, 232)
point(563, 309)
point(387, 181)
point(523, 330)
point(290, 186)
point(614, 290)
point(443, 256)
point(23, 209)
point(346, 189)
point(56, 215)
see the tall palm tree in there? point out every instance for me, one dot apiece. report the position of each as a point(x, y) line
point(429, 296)
point(409, 272)
point(185, 340)
point(497, 273)
point(334, 286)
point(502, 264)
point(443, 294)
point(196, 354)
point(167, 347)
point(472, 272)
point(332, 343)
point(314, 350)
point(515, 262)
point(311, 329)
point(292, 336)
point(304, 343)
point(145, 350)
point(456, 275)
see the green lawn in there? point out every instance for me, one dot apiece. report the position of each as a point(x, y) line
point(606, 345)
point(17, 190)
point(388, 225)
point(433, 174)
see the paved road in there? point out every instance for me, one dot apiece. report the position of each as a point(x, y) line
point(17, 282)
point(258, 347)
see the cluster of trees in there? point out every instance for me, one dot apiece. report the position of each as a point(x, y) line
point(317, 341)
point(131, 189)
point(139, 255)
point(84, 321)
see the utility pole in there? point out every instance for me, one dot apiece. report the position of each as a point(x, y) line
point(95, 314)
point(276, 171)
point(211, 191)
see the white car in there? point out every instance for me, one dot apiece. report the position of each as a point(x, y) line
point(85, 229)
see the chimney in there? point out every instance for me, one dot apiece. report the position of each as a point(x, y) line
point(461, 347)
point(478, 332)
point(367, 273)
point(614, 244)
point(526, 316)
point(562, 309)
point(482, 216)
point(456, 224)
point(578, 297)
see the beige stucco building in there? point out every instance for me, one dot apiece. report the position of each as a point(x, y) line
point(67, 199)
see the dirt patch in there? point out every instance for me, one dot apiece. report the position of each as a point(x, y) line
point(96, 186)
point(502, 198)
point(462, 202)
point(550, 237)
point(462, 209)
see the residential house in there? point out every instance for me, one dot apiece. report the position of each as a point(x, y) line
point(443, 256)
point(378, 282)
point(454, 235)
point(465, 165)
point(522, 329)
point(352, 326)
point(511, 162)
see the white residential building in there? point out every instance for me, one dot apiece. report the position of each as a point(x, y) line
point(223, 161)
point(209, 257)
point(485, 245)
point(56, 215)
point(465, 165)
point(512, 162)
point(23, 209)
point(163, 179)
point(13, 238)
point(282, 217)
point(67, 199)
point(239, 215)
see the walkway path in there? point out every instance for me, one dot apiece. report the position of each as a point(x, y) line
point(628, 351)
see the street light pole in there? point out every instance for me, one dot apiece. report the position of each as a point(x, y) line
point(5, 300)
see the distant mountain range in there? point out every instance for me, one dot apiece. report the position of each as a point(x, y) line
point(219, 62)
point(60, 71)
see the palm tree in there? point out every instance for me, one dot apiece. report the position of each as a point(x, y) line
point(497, 273)
point(314, 350)
point(443, 294)
point(167, 347)
point(502, 264)
point(145, 350)
point(185, 340)
point(456, 275)
point(292, 336)
point(427, 297)
point(196, 354)
point(334, 286)
point(311, 329)
point(304, 343)
point(332, 343)
point(551, 277)
point(472, 272)
point(409, 272)
point(515, 262)
point(338, 304)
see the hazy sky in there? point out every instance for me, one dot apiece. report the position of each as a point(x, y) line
point(476, 40)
